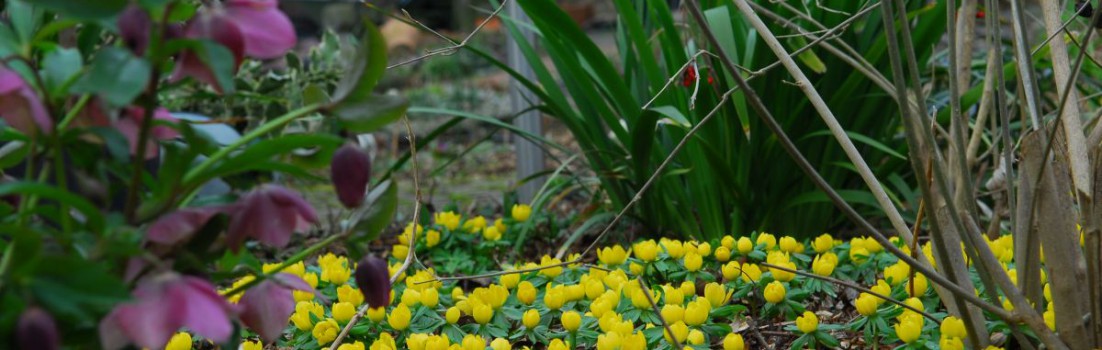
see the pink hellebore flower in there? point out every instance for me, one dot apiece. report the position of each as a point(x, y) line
point(269, 214)
point(268, 32)
point(163, 305)
point(256, 28)
point(134, 24)
point(20, 106)
point(268, 306)
point(179, 225)
point(130, 125)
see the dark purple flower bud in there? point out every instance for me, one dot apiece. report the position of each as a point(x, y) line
point(134, 25)
point(268, 31)
point(373, 279)
point(162, 305)
point(180, 225)
point(269, 214)
point(37, 330)
point(268, 306)
point(20, 106)
point(222, 30)
point(350, 172)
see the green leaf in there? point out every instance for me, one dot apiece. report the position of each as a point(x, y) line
point(862, 139)
point(370, 113)
point(91, 213)
point(24, 19)
point(83, 9)
point(116, 76)
point(263, 151)
point(76, 288)
point(808, 57)
point(379, 209)
point(220, 61)
point(367, 67)
point(61, 65)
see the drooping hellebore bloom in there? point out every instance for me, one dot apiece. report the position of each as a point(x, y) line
point(269, 214)
point(37, 330)
point(179, 225)
point(269, 305)
point(350, 172)
point(268, 31)
point(162, 305)
point(218, 28)
point(20, 106)
point(134, 24)
point(373, 278)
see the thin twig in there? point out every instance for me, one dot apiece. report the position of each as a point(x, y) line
point(456, 46)
point(658, 312)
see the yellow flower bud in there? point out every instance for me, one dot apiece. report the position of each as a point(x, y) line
point(693, 261)
point(526, 293)
point(909, 328)
point(376, 314)
point(571, 320)
point(447, 219)
point(430, 297)
point(673, 313)
point(951, 343)
point(612, 256)
point(745, 246)
point(680, 332)
point(768, 240)
point(399, 317)
point(531, 318)
point(774, 292)
point(325, 331)
point(521, 212)
point(452, 315)
point(953, 327)
point(824, 264)
point(823, 243)
point(557, 344)
point(696, 313)
point(717, 294)
point(179, 341)
point(733, 341)
point(727, 242)
point(342, 312)
point(482, 313)
point(789, 244)
point(866, 304)
point(808, 322)
point(723, 254)
point(696, 337)
point(500, 344)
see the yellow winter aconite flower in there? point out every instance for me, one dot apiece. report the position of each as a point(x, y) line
point(866, 304)
point(723, 254)
point(500, 225)
point(301, 317)
point(491, 233)
point(909, 328)
point(766, 239)
point(557, 344)
point(953, 327)
point(824, 264)
point(731, 271)
point(252, 345)
point(452, 315)
point(376, 314)
point(680, 332)
point(482, 313)
point(950, 343)
point(881, 288)
point(696, 337)
point(917, 286)
point(360, 346)
point(823, 243)
point(509, 281)
point(348, 294)
point(432, 238)
point(571, 321)
point(325, 331)
point(745, 246)
point(500, 344)
point(750, 273)
point(696, 312)
point(897, 273)
point(673, 313)
point(717, 294)
point(1050, 318)
point(179, 341)
point(473, 342)
point(342, 312)
point(531, 318)
point(609, 341)
point(789, 244)
point(612, 256)
point(807, 322)
point(475, 224)
point(733, 341)
point(774, 292)
point(673, 248)
point(554, 297)
point(526, 292)
point(859, 255)
point(521, 212)
point(550, 272)
point(399, 317)
point(688, 288)
point(693, 261)
point(783, 275)
point(337, 271)
point(447, 219)
point(728, 242)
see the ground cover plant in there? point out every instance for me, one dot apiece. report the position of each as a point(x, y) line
point(111, 237)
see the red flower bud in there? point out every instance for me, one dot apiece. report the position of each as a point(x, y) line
point(134, 25)
point(373, 278)
point(37, 330)
point(350, 172)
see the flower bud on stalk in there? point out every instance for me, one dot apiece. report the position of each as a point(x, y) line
point(350, 172)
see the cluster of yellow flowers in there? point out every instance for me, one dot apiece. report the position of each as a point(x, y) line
point(621, 299)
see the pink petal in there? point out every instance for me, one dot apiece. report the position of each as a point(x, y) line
point(206, 312)
point(269, 305)
point(219, 29)
point(267, 30)
point(134, 24)
point(111, 336)
point(149, 322)
point(257, 217)
point(289, 198)
point(179, 225)
point(20, 106)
